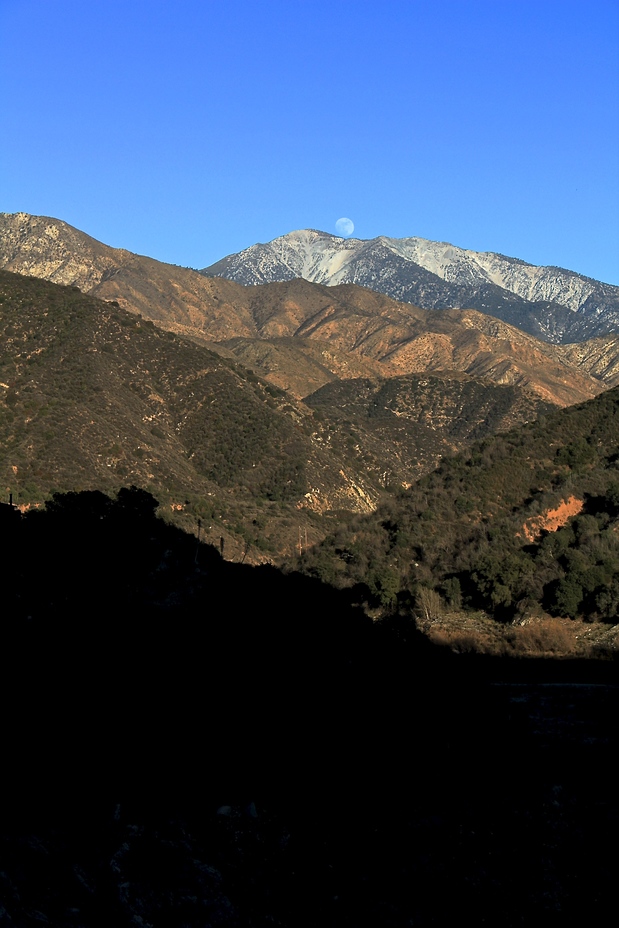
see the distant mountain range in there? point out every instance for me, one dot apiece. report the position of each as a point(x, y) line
point(301, 335)
point(549, 302)
point(266, 407)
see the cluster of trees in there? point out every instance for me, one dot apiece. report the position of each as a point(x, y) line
point(571, 572)
point(460, 530)
point(234, 439)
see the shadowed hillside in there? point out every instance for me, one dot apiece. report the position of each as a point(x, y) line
point(193, 742)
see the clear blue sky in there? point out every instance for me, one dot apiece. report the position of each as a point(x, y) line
point(190, 130)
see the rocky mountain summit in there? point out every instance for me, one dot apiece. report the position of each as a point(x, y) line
point(301, 335)
point(553, 304)
point(549, 302)
point(38, 246)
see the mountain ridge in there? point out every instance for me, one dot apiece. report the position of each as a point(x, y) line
point(437, 275)
point(95, 397)
point(369, 326)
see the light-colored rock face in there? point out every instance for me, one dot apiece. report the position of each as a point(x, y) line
point(598, 356)
point(48, 248)
point(459, 265)
point(362, 324)
point(38, 246)
point(434, 275)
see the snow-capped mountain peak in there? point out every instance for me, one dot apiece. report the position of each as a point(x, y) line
point(436, 275)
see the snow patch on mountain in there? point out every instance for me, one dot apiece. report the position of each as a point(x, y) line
point(458, 265)
point(549, 302)
point(326, 259)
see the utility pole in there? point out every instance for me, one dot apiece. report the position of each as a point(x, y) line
point(195, 560)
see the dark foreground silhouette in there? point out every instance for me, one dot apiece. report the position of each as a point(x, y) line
point(188, 742)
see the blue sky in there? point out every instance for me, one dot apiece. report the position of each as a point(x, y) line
point(190, 130)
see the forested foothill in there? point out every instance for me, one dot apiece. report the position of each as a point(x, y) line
point(95, 397)
point(484, 531)
point(189, 741)
point(92, 396)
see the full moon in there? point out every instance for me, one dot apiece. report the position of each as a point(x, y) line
point(344, 227)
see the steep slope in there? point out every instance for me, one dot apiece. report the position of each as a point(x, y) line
point(404, 339)
point(523, 523)
point(93, 397)
point(38, 246)
point(371, 326)
point(401, 427)
point(598, 357)
point(300, 366)
point(178, 298)
point(550, 303)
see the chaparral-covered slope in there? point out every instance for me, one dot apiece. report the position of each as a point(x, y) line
point(523, 524)
point(92, 396)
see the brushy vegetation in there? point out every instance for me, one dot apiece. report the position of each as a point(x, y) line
point(460, 531)
point(94, 397)
point(401, 427)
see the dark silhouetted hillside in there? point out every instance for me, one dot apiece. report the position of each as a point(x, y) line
point(193, 742)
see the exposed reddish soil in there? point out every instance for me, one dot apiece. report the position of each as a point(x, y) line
point(553, 519)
